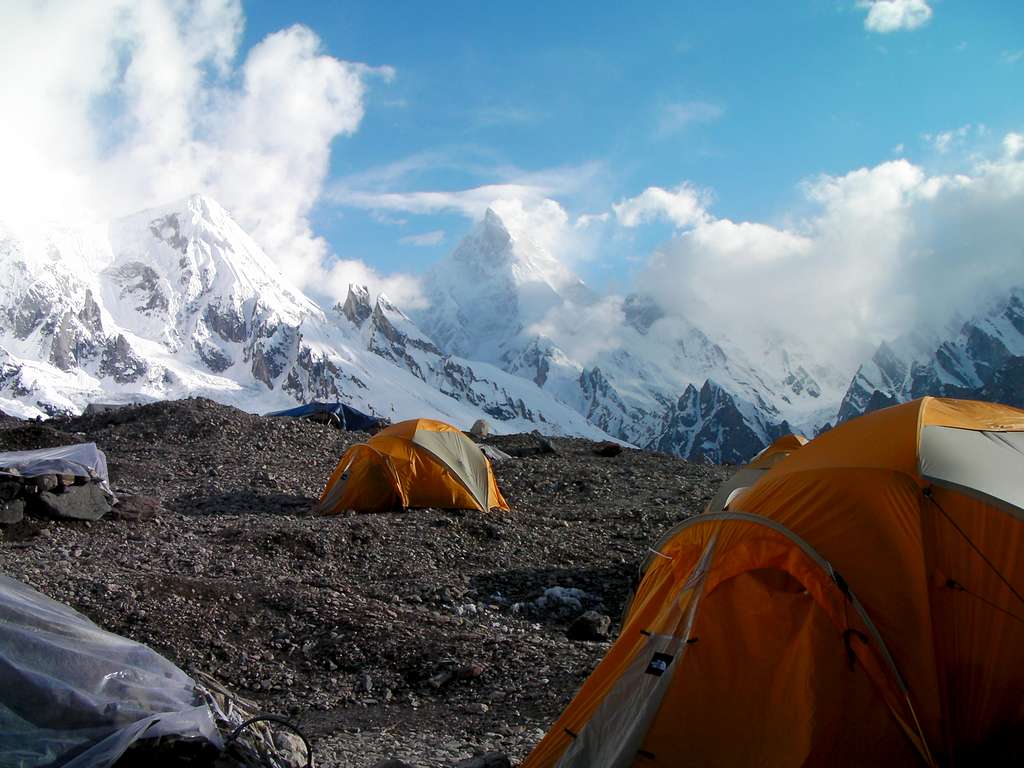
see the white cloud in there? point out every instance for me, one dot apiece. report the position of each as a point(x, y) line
point(946, 140)
point(891, 15)
point(885, 248)
point(404, 290)
point(120, 106)
point(583, 332)
point(1012, 57)
point(1013, 145)
point(587, 219)
point(898, 149)
point(682, 206)
point(373, 189)
point(525, 201)
point(434, 237)
point(676, 117)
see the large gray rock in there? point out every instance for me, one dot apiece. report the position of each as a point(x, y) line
point(12, 511)
point(78, 502)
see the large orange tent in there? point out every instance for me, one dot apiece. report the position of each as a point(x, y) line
point(415, 463)
point(860, 604)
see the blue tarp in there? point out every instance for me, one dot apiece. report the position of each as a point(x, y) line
point(348, 417)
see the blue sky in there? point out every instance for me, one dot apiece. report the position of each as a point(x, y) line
point(859, 162)
point(744, 100)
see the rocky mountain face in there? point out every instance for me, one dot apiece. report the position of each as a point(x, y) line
point(662, 382)
point(180, 301)
point(983, 359)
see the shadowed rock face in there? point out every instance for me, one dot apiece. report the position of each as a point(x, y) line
point(641, 312)
point(707, 425)
point(168, 230)
point(226, 322)
point(120, 362)
point(141, 284)
point(357, 305)
point(982, 361)
point(30, 313)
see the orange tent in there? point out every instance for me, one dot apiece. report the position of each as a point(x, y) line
point(860, 604)
point(750, 473)
point(415, 463)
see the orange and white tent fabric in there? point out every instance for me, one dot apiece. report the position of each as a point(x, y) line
point(862, 603)
point(750, 473)
point(415, 463)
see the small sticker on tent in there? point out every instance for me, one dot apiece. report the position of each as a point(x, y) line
point(659, 663)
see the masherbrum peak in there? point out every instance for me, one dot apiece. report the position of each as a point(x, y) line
point(483, 296)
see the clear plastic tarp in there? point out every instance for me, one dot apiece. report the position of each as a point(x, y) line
point(82, 460)
point(76, 696)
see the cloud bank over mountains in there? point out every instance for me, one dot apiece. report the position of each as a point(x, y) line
point(120, 106)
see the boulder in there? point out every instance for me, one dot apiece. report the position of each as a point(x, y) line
point(77, 502)
point(45, 482)
point(135, 507)
point(394, 762)
point(607, 449)
point(12, 511)
point(590, 625)
point(544, 445)
point(480, 428)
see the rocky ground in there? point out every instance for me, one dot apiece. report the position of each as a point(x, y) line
point(427, 635)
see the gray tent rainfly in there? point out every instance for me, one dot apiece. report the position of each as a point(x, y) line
point(81, 460)
point(74, 695)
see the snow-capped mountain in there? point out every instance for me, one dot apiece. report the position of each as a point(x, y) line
point(181, 301)
point(983, 358)
point(661, 383)
point(483, 296)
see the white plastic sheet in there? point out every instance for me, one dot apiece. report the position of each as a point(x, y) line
point(76, 696)
point(83, 460)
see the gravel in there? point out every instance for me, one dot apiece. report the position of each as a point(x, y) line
point(430, 636)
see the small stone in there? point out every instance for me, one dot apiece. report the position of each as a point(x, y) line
point(9, 491)
point(590, 625)
point(471, 670)
point(45, 482)
point(365, 683)
point(475, 708)
point(12, 511)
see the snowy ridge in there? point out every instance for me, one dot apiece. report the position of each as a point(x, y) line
point(982, 359)
point(180, 301)
point(666, 384)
